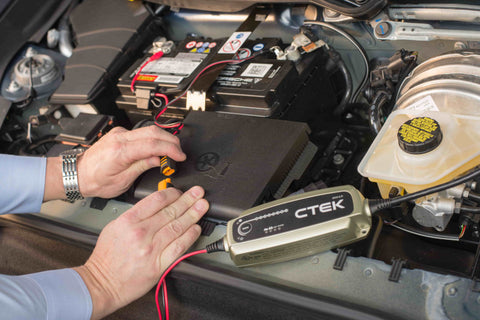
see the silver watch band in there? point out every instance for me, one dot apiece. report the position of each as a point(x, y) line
point(70, 174)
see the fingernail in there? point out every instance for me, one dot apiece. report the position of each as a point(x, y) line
point(197, 191)
point(199, 205)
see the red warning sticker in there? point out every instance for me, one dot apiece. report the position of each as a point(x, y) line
point(191, 44)
point(242, 53)
point(234, 42)
point(212, 45)
point(199, 44)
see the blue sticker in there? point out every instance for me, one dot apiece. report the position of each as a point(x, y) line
point(200, 50)
point(205, 44)
point(258, 47)
point(240, 35)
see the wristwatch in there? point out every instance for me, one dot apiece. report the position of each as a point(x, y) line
point(70, 173)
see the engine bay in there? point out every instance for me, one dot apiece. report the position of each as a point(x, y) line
point(272, 100)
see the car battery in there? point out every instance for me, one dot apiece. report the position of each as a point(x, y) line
point(169, 75)
point(261, 86)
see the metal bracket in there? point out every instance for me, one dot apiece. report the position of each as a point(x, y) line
point(397, 266)
point(341, 259)
point(386, 29)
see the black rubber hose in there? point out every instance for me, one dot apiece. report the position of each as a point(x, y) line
point(374, 111)
point(474, 196)
point(467, 209)
point(348, 95)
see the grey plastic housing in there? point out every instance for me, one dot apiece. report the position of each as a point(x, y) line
point(298, 226)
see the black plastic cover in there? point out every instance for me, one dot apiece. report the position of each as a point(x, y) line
point(238, 160)
point(110, 34)
point(83, 129)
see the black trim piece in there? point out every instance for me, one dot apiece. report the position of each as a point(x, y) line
point(58, 229)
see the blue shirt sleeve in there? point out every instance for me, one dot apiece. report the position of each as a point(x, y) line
point(56, 294)
point(22, 183)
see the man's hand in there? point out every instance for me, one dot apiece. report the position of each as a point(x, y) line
point(113, 163)
point(135, 249)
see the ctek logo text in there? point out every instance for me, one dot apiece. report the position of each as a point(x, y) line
point(321, 208)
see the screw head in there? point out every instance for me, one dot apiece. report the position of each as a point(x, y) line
point(338, 159)
point(452, 291)
point(368, 272)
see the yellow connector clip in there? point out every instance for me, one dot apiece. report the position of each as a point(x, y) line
point(164, 184)
point(167, 166)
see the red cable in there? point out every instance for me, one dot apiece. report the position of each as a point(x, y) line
point(180, 125)
point(162, 280)
point(154, 57)
point(165, 299)
point(190, 85)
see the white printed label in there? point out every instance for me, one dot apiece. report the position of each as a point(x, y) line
point(234, 42)
point(258, 70)
point(169, 79)
point(424, 104)
point(183, 64)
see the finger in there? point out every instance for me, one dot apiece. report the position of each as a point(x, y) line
point(138, 167)
point(135, 150)
point(175, 249)
point(152, 204)
point(149, 132)
point(177, 227)
point(175, 210)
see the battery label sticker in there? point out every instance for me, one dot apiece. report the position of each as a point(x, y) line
point(258, 70)
point(293, 215)
point(235, 42)
point(424, 104)
point(169, 79)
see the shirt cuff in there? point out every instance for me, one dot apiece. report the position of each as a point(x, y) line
point(22, 183)
point(65, 292)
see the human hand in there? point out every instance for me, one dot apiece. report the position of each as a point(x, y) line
point(135, 249)
point(112, 164)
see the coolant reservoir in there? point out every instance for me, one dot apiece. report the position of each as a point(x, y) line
point(433, 134)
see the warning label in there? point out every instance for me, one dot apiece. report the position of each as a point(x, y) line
point(418, 129)
point(234, 43)
point(424, 104)
point(412, 134)
point(146, 77)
